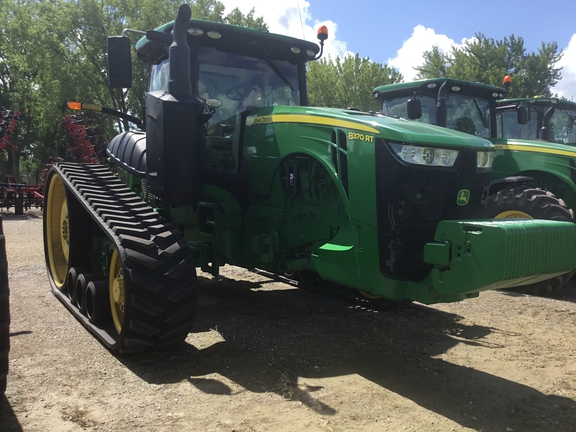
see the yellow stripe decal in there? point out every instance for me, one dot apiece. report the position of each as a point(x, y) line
point(535, 149)
point(309, 119)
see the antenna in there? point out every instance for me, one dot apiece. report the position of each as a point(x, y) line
point(300, 15)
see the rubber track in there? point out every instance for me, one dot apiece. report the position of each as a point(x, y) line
point(159, 271)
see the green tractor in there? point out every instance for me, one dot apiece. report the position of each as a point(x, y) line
point(231, 166)
point(533, 173)
point(541, 135)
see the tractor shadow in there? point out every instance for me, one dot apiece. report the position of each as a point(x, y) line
point(8, 420)
point(272, 340)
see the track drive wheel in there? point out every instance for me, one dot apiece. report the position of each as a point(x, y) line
point(524, 202)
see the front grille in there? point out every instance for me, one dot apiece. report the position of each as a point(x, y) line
point(413, 199)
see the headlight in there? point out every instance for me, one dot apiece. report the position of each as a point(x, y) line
point(484, 159)
point(425, 155)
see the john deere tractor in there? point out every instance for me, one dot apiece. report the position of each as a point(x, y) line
point(540, 133)
point(534, 165)
point(232, 166)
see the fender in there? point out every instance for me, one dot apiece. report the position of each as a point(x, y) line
point(128, 151)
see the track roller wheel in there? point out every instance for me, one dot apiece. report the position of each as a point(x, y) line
point(71, 279)
point(80, 289)
point(97, 302)
point(524, 202)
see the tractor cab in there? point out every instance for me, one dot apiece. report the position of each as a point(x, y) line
point(455, 104)
point(235, 70)
point(546, 119)
point(222, 73)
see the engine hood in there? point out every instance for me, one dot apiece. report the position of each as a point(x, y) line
point(376, 125)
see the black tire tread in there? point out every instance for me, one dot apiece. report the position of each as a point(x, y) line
point(536, 202)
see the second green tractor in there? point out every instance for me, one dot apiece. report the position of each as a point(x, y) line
point(534, 166)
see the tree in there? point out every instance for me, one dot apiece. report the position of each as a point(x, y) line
point(486, 60)
point(348, 83)
point(54, 51)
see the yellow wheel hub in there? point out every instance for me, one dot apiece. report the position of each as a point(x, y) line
point(513, 214)
point(57, 231)
point(116, 288)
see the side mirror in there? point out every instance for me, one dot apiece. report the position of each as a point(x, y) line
point(545, 130)
point(119, 62)
point(414, 109)
point(522, 112)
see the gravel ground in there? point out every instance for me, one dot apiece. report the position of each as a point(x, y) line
point(265, 356)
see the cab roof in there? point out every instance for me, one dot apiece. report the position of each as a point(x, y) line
point(229, 38)
point(560, 103)
point(430, 87)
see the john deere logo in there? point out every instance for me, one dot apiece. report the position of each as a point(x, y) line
point(463, 197)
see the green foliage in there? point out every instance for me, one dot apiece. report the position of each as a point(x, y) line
point(348, 83)
point(486, 60)
point(54, 51)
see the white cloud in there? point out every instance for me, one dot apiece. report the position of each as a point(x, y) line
point(285, 18)
point(421, 40)
point(567, 85)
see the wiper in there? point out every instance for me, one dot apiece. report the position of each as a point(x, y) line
point(270, 62)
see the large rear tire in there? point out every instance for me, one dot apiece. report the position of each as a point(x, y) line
point(524, 202)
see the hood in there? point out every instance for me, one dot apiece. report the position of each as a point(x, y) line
point(374, 124)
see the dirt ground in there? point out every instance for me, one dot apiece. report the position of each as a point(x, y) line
point(265, 356)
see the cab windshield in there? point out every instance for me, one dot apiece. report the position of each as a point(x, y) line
point(464, 113)
point(239, 82)
point(562, 125)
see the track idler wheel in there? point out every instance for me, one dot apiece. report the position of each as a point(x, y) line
point(57, 231)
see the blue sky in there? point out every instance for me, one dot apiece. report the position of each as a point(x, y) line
point(398, 32)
